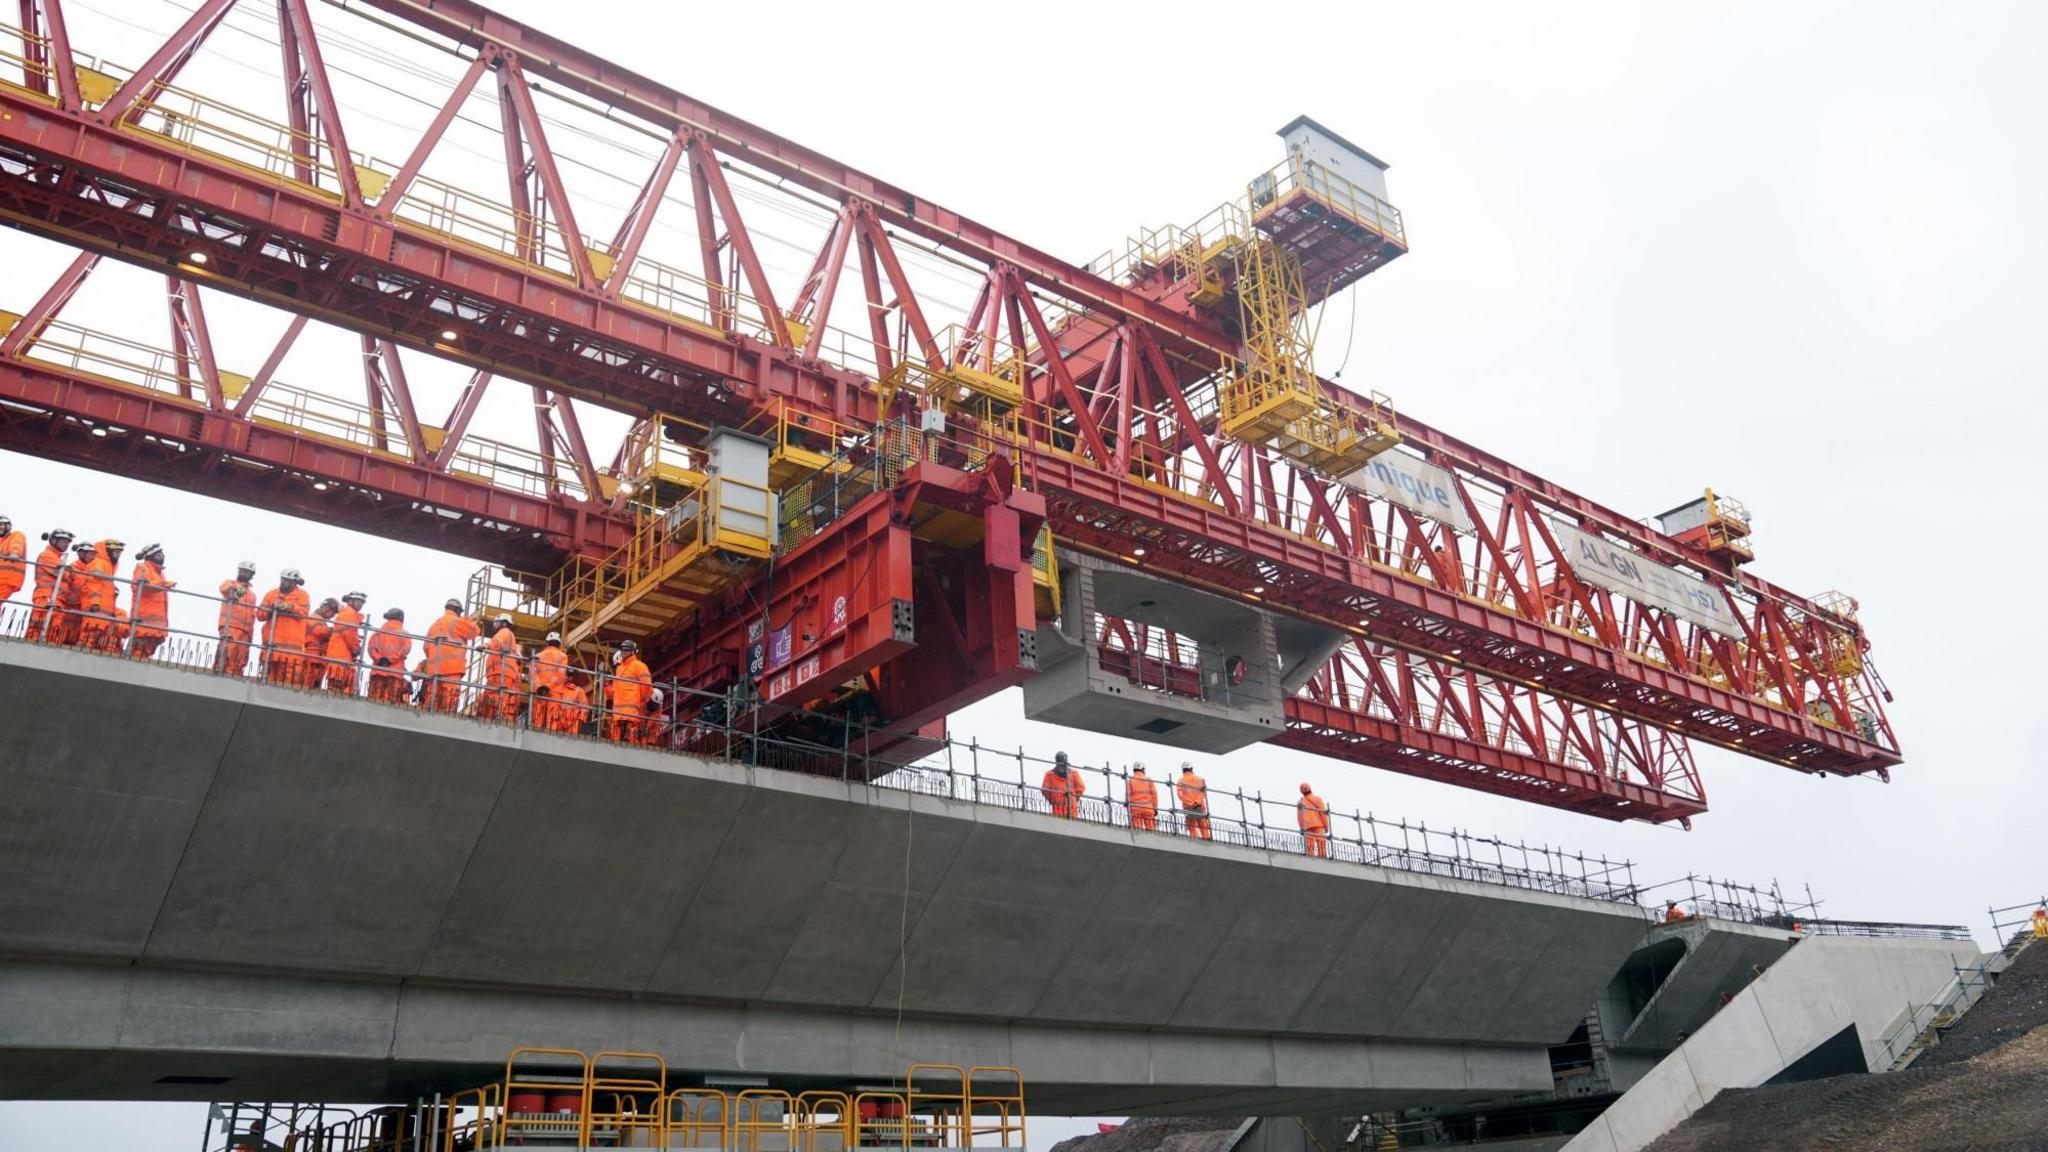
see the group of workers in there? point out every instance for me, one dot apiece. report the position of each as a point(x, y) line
point(76, 602)
point(1063, 789)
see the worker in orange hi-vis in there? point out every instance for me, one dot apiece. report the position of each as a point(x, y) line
point(237, 625)
point(1194, 801)
point(345, 644)
point(574, 711)
point(13, 559)
point(2040, 922)
point(447, 658)
point(504, 691)
point(101, 621)
point(1142, 795)
point(1062, 787)
point(1673, 913)
point(49, 566)
point(655, 730)
point(1313, 814)
point(284, 610)
point(626, 695)
point(388, 648)
point(550, 683)
point(319, 630)
point(152, 621)
point(77, 587)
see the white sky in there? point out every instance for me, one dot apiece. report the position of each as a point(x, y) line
point(1789, 251)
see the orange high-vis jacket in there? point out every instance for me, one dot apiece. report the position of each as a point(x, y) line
point(152, 599)
point(101, 593)
point(1063, 792)
point(345, 636)
point(389, 646)
point(575, 702)
point(630, 686)
point(13, 563)
point(551, 670)
point(1143, 793)
point(1194, 793)
point(1313, 814)
point(48, 565)
point(284, 618)
point(501, 666)
point(447, 654)
point(318, 629)
point(237, 609)
point(88, 587)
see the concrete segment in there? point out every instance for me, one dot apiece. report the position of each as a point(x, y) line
point(1720, 959)
point(439, 891)
point(97, 814)
point(1823, 986)
point(296, 864)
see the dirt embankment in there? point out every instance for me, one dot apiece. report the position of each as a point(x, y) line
point(1158, 1134)
point(1984, 1089)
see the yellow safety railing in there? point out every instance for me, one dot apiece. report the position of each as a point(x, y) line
point(549, 1075)
point(559, 1097)
point(1333, 191)
point(1275, 398)
point(255, 144)
point(762, 1120)
point(698, 1118)
point(677, 555)
point(801, 444)
point(937, 1099)
point(495, 591)
point(474, 1120)
point(17, 46)
point(995, 1104)
point(627, 1091)
point(1045, 574)
point(823, 1122)
point(881, 1120)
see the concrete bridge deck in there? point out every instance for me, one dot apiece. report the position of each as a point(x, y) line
point(324, 898)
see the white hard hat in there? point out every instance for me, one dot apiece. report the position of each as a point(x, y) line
point(291, 574)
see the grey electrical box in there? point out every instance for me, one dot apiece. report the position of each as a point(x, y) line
point(1327, 152)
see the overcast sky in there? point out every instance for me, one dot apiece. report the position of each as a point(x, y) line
point(1791, 251)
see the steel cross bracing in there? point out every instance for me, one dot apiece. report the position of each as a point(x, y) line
point(1117, 431)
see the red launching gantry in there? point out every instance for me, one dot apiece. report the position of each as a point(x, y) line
point(937, 463)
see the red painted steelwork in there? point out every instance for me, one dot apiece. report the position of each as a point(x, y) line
point(46, 411)
point(1121, 440)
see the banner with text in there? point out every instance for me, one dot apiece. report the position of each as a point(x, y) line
point(1420, 487)
point(1617, 569)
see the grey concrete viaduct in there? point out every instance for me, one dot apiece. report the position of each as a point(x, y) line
point(217, 889)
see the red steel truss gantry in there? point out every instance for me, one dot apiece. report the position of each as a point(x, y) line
point(1476, 653)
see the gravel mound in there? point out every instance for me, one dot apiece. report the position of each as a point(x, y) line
point(1987, 1093)
point(2015, 1006)
point(1158, 1134)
